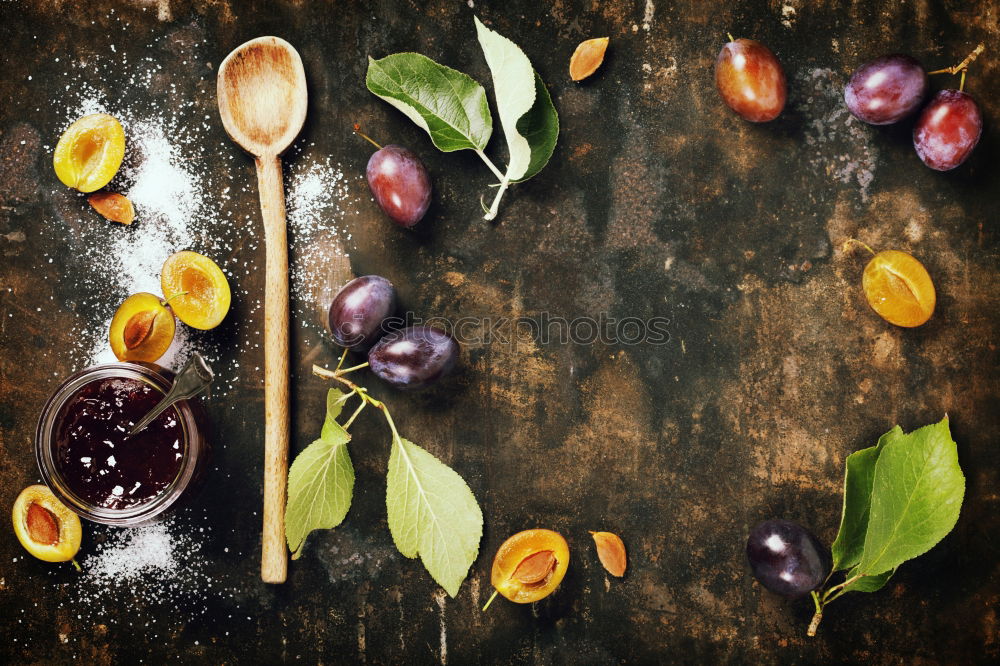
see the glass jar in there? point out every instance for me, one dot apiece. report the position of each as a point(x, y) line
point(89, 415)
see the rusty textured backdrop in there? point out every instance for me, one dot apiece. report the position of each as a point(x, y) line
point(658, 201)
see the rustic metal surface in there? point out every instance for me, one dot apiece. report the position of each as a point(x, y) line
point(658, 201)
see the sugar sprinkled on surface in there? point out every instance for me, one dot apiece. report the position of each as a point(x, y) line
point(173, 212)
point(168, 193)
point(131, 554)
point(180, 205)
point(168, 199)
point(183, 200)
point(316, 194)
point(163, 562)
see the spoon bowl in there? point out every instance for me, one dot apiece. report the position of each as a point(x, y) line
point(262, 95)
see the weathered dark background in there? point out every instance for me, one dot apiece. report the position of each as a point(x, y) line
point(658, 201)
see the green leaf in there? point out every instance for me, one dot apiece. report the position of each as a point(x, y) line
point(530, 122)
point(916, 497)
point(320, 481)
point(432, 513)
point(540, 126)
point(449, 105)
point(868, 583)
point(858, 478)
point(335, 399)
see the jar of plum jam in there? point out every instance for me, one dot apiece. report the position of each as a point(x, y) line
point(91, 464)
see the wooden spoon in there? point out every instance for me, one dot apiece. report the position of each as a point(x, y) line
point(262, 101)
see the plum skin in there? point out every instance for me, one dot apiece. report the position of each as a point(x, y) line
point(414, 357)
point(787, 558)
point(887, 89)
point(947, 130)
point(750, 80)
point(400, 184)
point(359, 310)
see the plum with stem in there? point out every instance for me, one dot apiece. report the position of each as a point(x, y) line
point(399, 182)
point(750, 80)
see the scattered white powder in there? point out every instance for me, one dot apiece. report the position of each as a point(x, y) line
point(168, 193)
point(158, 563)
point(317, 193)
point(183, 203)
point(168, 201)
point(130, 555)
point(174, 212)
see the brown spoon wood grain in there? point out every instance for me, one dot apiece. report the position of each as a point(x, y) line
point(262, 101)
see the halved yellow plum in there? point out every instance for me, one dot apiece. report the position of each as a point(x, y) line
point(899, 288)
point(45, 527)
point(196, 288)
point(90, 152)
point(142, 328)
point(530, 565)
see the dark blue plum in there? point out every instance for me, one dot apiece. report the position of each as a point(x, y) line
point(786, 558)
point(358, 311)
point(414, 357)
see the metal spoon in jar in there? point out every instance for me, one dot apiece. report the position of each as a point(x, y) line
point(192, 379)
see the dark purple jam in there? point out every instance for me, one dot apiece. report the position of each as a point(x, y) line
point(96, 459)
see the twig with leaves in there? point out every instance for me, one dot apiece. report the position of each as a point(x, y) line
point(452, 107)
point(432, 513)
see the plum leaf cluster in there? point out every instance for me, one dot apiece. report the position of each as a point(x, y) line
point(453, 109)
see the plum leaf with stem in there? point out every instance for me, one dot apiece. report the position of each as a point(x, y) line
point(452, 108)
point(530, 122)
point(901, 497)
point(432, 513)
point(321, 480)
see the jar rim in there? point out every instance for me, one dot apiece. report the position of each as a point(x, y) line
point(143, 512)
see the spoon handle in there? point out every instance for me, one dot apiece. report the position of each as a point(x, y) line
point(274, 560)
point(191, 380)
